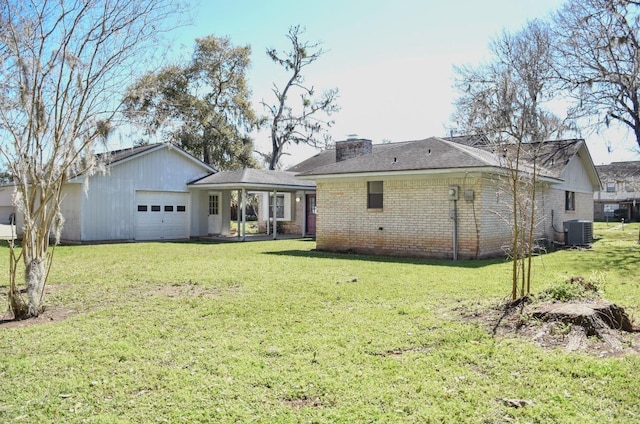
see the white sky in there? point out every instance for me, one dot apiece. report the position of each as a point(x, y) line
point(391, 61)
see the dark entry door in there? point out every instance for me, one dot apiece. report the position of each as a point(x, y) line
point(311, 213)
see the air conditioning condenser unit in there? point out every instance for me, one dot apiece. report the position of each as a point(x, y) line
point(578, 232)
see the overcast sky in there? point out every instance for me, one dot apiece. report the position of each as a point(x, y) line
point(391, 60)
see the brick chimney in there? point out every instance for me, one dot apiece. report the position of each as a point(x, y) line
point(352, 147)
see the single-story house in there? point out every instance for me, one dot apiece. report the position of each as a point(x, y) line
point(161, 192)
point(439, 198)
point(619, 197)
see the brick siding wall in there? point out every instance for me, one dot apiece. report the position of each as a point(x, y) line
point(413, 222)
point(554, 207)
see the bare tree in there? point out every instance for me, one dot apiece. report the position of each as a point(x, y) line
point(307, 121)
point(506, 100)
point(599, 60)
point(63, 63)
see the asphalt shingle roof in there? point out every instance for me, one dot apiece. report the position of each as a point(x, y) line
point(552, 156)
point(431, 153)
point(114, 156)
point(254, 177)
point(627, 170)
point(469, 140)
point(439, 154)
point(328, 157)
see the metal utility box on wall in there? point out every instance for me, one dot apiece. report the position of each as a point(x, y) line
point(578, 232)
point(453, 192)
point(469, 195)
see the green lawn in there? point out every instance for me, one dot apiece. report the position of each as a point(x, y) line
point(276, 332)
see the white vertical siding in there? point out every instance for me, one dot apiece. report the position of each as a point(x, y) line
point(575, 177)
point(199, 212)
point(6, 203)
point(70, 208)
point(225, 205)
point(108, 211)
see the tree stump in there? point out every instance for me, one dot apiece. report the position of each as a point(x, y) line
point(594, 317)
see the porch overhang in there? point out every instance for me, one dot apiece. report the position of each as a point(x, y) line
point(253, 187)
point(253, 180)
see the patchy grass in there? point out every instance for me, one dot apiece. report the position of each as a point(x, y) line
point(277, 332)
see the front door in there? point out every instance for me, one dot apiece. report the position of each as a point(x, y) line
point(215, 218)
point(311, 214)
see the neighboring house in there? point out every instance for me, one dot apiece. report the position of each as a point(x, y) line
point(160, 192)
point(438, 198)
point(619, 197)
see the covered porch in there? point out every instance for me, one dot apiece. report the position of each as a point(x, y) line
point(283, 206)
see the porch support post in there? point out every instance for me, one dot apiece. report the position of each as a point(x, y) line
point(244, 214)
point(304, 213)
point(240, 236)
point(267, 209)
point(275, 216)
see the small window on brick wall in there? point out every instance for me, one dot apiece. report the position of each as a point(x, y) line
point(375, 195)
point(569, 200)
point(611, 187)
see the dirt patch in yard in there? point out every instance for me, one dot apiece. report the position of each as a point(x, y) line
point(51, 313)
point(54, 313)
point(188, 288)
point(593, 326)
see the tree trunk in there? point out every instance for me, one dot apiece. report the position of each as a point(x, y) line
point(34, 276)
point(17, 305)
point(206, 157)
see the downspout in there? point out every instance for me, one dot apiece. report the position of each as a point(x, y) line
point(454, 216)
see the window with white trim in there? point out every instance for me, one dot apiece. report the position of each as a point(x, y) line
point(279, 206)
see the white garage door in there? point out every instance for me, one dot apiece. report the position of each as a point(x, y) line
point(162, 215)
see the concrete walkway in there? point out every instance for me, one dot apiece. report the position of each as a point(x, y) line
point(253, 237)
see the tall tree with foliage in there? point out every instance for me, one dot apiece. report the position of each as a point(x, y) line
point(506, 100)
point(63, 63)
point(203, 106)
point(598, 59)
point(306, 121)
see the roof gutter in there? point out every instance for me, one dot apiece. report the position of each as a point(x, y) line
point(413, 172)
point(251, 186)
